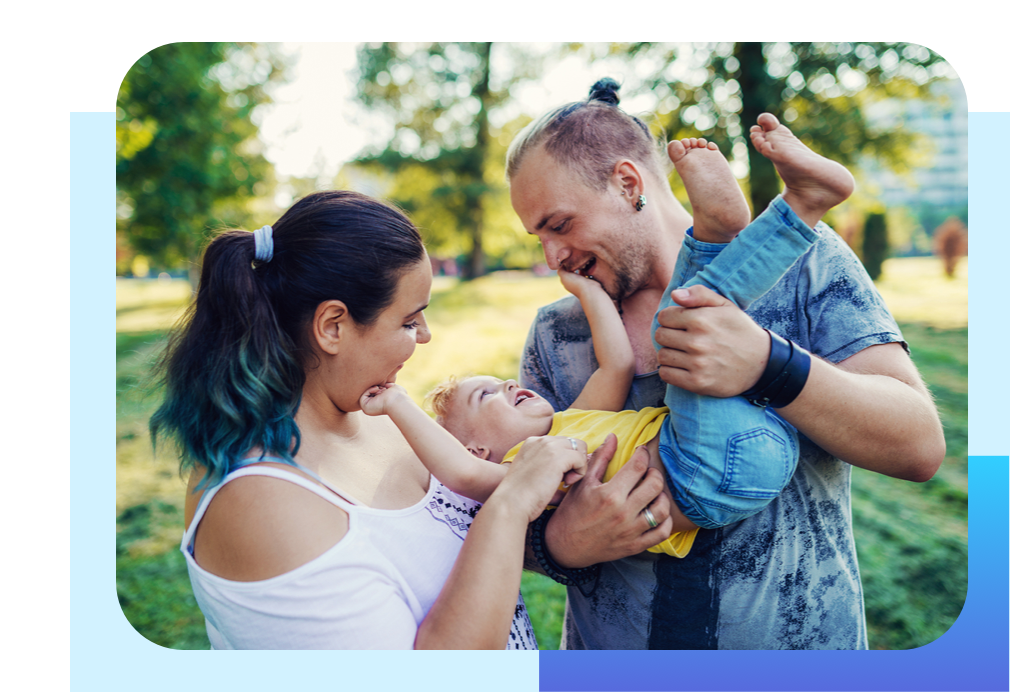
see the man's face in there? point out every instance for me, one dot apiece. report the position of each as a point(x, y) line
point(581, 229)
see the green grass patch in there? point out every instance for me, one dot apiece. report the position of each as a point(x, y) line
point(911, 538)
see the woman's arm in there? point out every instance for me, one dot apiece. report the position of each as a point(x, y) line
point(607, 388)
point(475, 607)
point(441, 453)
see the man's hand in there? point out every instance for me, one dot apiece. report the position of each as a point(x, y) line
point(872, 409)
point(600, 522)
point(710, 346)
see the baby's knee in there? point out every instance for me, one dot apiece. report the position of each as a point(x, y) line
point(722, 484)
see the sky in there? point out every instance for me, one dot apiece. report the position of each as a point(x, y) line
point(315, 125)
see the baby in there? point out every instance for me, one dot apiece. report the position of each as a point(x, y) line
point(724, 459)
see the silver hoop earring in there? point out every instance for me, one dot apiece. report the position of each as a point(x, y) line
point(640, 204)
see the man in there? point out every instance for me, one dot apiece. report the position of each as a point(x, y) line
point(586, 179)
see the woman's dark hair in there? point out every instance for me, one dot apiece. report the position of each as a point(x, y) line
point(589, 137)
point(235, 366)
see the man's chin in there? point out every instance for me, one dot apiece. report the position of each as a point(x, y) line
point(619, 289)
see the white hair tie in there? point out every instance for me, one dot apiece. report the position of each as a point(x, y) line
point(264, 238)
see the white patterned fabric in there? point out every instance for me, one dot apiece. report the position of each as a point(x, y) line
point(369, 591)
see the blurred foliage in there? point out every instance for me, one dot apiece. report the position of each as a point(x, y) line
point(446, 156)
point(823, 91)
point(188, 154)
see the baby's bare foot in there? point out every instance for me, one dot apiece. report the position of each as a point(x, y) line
point(719, 208)
point(813, 184)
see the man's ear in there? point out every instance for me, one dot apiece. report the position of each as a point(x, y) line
point(329, 325)
point(479, 451)
point(628, 180)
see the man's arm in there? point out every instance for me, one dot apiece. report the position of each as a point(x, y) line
point(871, 410)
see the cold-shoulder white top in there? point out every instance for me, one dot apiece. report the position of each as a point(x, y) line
point(369, 591)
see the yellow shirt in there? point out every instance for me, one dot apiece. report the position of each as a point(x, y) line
point(633, 429)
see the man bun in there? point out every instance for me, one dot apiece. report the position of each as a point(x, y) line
point(605, 90)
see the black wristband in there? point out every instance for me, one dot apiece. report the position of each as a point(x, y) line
point(784, 375)
point(582, 577)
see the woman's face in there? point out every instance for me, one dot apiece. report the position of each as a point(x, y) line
point(374, 354)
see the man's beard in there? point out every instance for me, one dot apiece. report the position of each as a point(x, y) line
point(631, 273)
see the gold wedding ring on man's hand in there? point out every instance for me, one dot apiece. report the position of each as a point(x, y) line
point(650, 518)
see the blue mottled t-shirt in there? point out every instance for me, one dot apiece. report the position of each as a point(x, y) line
point(785, 578)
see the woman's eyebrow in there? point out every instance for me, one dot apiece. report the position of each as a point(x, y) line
point(420, 309)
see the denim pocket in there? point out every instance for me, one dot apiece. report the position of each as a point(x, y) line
point(759, 463)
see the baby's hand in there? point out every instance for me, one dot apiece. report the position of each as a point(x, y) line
point(576, 284)
point(378, 400)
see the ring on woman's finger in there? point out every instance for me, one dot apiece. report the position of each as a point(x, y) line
point(574, 446)
point(650, 518)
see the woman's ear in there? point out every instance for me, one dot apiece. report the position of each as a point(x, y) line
point(329, 325)
point(628, 180)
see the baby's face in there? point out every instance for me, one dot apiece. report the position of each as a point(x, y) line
point(490, 416)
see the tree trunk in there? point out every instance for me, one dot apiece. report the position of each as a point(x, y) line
point(475, 187)
point(756, 92)
point(875, 244)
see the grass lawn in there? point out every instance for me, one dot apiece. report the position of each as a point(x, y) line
point(912, 538)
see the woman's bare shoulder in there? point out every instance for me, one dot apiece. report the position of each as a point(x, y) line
point(258, 527)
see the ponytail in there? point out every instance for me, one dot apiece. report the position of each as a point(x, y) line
point(231, 380)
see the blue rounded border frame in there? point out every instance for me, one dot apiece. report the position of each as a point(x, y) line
point(972, 655)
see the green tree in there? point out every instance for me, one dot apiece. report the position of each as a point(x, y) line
point(823, 91)
point(188, 156)
point(442, 98)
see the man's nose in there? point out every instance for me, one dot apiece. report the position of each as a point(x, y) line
point(555, 252)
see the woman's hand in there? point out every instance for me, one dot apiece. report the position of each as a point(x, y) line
point(537, 471)
point(380, 399)
point(476, 605)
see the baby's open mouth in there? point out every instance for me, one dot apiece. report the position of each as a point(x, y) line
point(523, 397)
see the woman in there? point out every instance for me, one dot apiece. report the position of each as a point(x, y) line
point(309, 524)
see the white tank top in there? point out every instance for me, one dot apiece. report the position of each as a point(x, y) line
point(369, 591)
